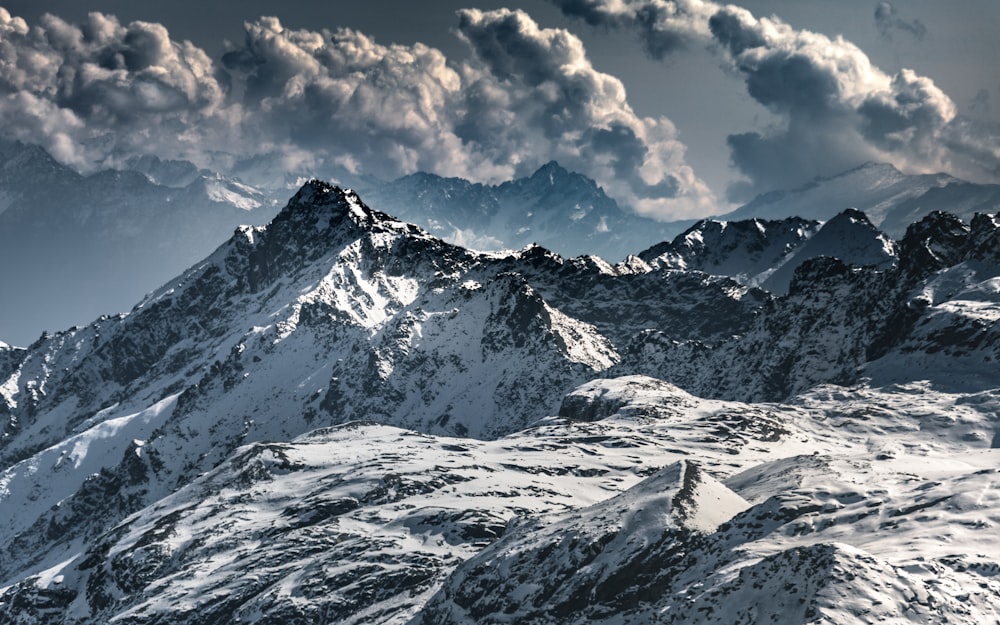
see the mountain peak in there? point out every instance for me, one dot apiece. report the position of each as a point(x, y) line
point(551, 173)
point(869, 166)
point(552, 166)
point(318, 199)
point(853, 215)
point(935, 242)
point(317, 192)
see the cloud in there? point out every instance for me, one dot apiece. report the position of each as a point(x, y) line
point(284, 103)
point(525, 96)
point(835, 108)
point(887, 20)
point(980, 103)
point(90, 91)
point(664, 26)
point(339, 98)
point(838, 108)
point(564, 108)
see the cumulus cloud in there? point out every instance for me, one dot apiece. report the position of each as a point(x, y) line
point(838, 108)
point(835, 108)
point(563, 107)
point(526, 95)
point(664, 26)
point(340, 98)
point(336, 102)
point(887, 20)
point(93, 90)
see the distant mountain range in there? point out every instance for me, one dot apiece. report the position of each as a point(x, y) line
point(891, 199)
point(766, 253)
point(73, 247)
point(562, 211)
point(339, 417)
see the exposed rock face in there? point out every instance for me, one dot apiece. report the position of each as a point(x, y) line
point(766, 253)
point(349, 408)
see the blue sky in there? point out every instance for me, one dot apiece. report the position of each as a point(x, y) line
point(678, 108)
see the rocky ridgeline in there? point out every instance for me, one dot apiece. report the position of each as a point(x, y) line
point(201, 399)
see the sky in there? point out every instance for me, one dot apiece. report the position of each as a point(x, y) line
point(678, 108)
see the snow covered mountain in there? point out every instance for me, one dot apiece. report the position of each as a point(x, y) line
point(847, 532)
point(766, 253)
point(891, 199)
point(557, 209)
point(340, 417)
point(73, 247)
point(101, 242)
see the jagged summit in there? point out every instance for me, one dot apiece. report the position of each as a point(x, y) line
point(765, 253)
point(317, 197)
point(747, 250)
point(346, 407)
point(554, 175)
point(849, 236)
point(318, 219)
point(936, 241)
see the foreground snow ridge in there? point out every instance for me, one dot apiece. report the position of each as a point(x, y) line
point(338, 417)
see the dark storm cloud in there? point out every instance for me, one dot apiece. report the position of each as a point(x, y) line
point(810, 82)
point(887, 20)
point(838, 108)
point(627, 154)
point(909, 116)
point(320, 102)
point(835, 109)
point(664, 26)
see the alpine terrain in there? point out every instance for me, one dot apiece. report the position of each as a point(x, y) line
point(555, 208)
point(890, 198)
point(100, 242)
point(339, 417)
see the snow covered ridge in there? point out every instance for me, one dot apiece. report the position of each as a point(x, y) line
point(891, 199)
point(148, 460)
point(766, 253)
point(668, 509)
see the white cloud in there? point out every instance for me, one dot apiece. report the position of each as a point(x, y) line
point(556, 105)
point(836, 108)
point(287, 102)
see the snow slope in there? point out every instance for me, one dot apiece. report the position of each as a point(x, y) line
point(765, 253)
point(332, 312)
point(640, 503)
point(331, 413)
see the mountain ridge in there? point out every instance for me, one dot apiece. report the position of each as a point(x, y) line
point(553, 207)
point(478, 387)
point(891, 199)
